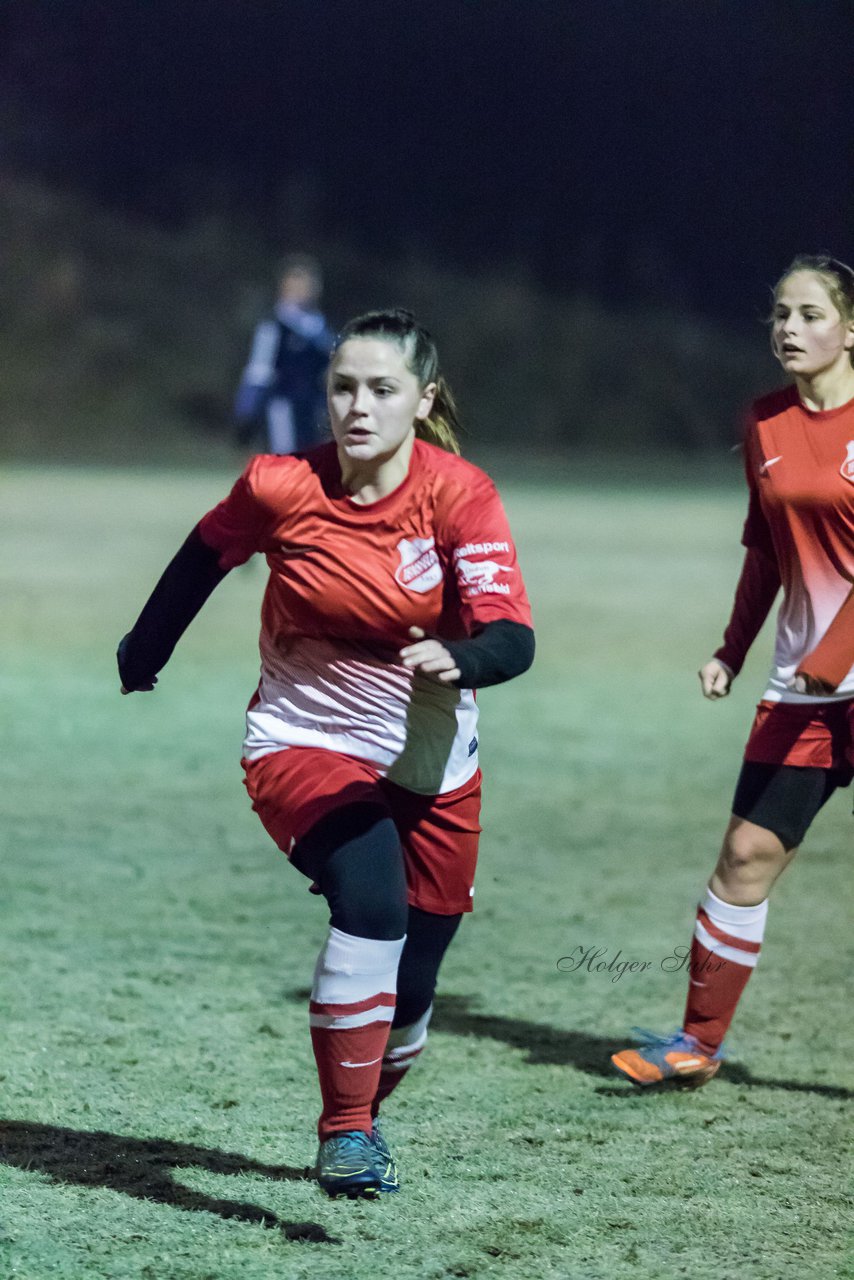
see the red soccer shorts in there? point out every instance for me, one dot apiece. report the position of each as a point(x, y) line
point(817, 735)
point(293, 789)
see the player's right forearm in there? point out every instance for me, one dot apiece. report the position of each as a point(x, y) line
point(756, 591)
point(183, 588)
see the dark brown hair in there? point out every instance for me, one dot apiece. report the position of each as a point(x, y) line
point(418, 349)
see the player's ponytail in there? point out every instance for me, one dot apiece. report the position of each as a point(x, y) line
point(442, 426)
point(419, 349)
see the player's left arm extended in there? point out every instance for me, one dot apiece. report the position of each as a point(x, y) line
point(184, 586)
point(833, 657)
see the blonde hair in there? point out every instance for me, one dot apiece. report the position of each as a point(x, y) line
point(837, 277)
point(418, 349)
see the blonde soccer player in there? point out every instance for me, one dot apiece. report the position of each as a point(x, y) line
point(799, 536)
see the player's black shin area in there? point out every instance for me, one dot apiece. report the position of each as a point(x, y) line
point(428, 937)
point(355, 857)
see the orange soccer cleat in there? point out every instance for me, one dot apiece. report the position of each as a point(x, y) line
point(676, 1057)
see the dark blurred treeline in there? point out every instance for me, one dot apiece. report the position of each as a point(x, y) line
point(642, 148)
point(586, 202)
point(121, 338)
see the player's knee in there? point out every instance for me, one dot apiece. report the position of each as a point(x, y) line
point(749, 847)
point(376, 915)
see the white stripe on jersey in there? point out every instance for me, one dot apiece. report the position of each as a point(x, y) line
point(339, 696)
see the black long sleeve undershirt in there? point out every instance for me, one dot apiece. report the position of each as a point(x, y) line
point(184, 586)
point(502, 650)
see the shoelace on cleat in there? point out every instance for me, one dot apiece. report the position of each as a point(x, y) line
point(352, 1144)
point(678, 1039)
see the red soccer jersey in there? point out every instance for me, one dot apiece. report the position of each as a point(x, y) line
point(800, 469)
point(347, 581)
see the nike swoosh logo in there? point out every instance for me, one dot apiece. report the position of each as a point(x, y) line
point(295, 550)
point(769, 462)
point(372, 1063)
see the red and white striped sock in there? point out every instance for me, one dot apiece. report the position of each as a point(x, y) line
point(724, 951)
point(404, 1046)
point(351, 1008)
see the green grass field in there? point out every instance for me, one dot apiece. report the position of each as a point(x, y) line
point(158, 1092)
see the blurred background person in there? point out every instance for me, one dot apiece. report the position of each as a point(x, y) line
point(280, 393)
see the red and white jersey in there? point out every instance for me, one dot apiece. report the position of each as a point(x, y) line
point(800, 469)
point(347, 581)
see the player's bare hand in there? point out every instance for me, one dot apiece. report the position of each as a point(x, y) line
point(802, 683)
point(715, 679)
point(429, 657)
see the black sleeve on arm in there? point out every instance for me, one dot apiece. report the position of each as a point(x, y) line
point(186, 583)
point(502, 650)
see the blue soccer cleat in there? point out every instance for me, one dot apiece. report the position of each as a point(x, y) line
point(386, 1166)
point(657, 1059)
point(347, 1165)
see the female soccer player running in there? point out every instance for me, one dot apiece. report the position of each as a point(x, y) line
point(394, 592)
point(799, 458)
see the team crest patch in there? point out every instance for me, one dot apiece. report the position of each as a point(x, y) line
point(419, 568)
point(847, 468)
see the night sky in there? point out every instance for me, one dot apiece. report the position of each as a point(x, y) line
point(675, 149)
